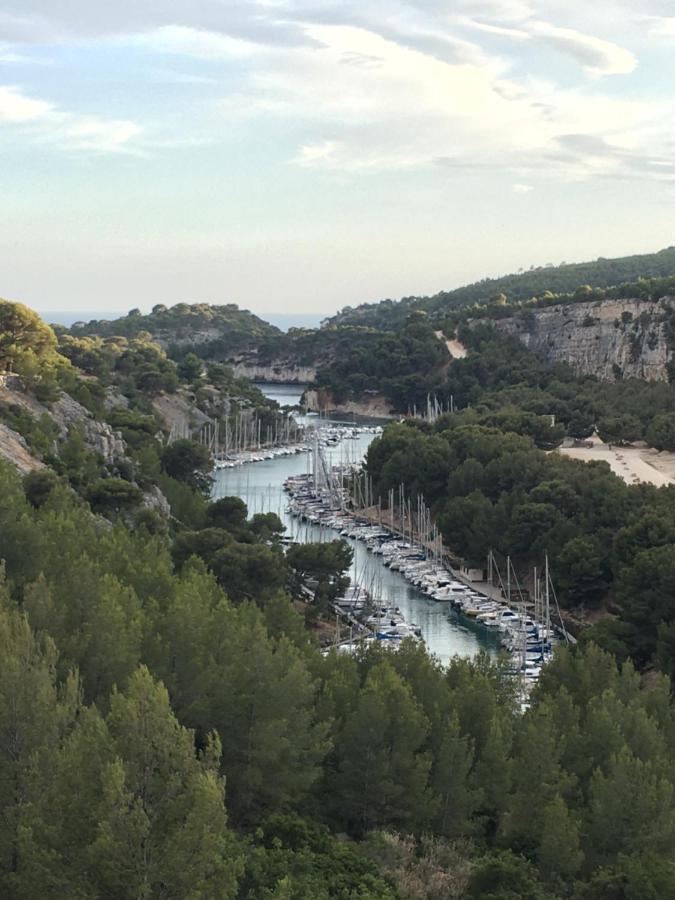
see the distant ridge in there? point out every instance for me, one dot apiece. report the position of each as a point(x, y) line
point(212, 331)
point(562, 279)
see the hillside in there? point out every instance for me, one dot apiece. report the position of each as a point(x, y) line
point(212, 332)
point(561, 279)
point(104, 413)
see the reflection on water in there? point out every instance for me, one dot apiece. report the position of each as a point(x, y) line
point(260, 485)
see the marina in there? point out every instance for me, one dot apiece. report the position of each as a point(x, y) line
point(445, 631)
point(398, 589)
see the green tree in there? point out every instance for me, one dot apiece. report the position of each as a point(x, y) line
point(189, 462)
point(582, 572)
point(647, 591)
point(113, 495)
point(228, 512)
point(630, 809)
point(34, 714)
point(504, 876)
point(162, 822)
point(249, 571)
point(383, 768)
point(456, 797)
point(559, 853)
point(619, 429)
point(23, 331)
point(190, 367)
point(661, 432)
point(581, 424)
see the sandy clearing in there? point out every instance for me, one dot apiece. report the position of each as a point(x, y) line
point(633, 464)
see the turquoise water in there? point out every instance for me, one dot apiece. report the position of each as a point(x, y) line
point(260, 485)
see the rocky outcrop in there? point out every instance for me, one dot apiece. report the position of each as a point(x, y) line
point(372, 406)
point(14, 449)
point(277, 373)
point(605, 338)
point(67, 413)
point(155, 500)
point(179, 413)
point(99, 436)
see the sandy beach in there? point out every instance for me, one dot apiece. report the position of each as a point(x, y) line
point(634, 464)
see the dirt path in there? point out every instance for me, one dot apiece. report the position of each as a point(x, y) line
point(455, 348)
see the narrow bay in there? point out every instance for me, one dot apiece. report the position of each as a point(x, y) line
point(260, 485)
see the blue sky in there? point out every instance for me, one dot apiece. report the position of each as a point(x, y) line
point(295, 156)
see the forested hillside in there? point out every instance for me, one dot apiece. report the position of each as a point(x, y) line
point(160, 738)
point(103, 413)
point(212, 332)
point(169, 728)
point(562, 279)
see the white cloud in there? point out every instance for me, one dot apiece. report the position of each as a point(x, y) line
point(406, 108)
point(522, 188)
point(16, 107)
point(99, 134)
point(663, 27)
point(47, 123)
point(375, 84)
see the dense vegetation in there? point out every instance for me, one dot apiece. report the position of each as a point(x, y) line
point(562, 279)
point(212, 332)
point(159, 739)
point(403, 365)
point(118, 383)
point(169, 728)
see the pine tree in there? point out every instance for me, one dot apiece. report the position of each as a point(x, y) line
point(383, 769)
point(559, 852)
point(456, 798)
point(34, 714)
point(162, 822)
point(262, 705)
point(631, 809)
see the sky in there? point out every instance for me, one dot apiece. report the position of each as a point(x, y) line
point(297, 156)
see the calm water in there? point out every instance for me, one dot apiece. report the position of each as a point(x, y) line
point(284, 394)
point(260, 485)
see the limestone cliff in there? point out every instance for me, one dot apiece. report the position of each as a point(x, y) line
point(14, 449)
point(605, 338)
point(65, 413)
point(278, 372)
point(370, 405)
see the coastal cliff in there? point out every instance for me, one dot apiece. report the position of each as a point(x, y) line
point(370, 405)
point(609, 339)
point(276, 372)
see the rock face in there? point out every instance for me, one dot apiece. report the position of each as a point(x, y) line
point(155, 500)
point(372, 405)
point(606, 338)
point(179, 413)
point(14, 449)
point(99, 436)
point(279, 373)
point(67, 412)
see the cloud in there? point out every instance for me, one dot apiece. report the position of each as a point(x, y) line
point(596, 56)
point(375, 104)
point(206, 45)
point(47, 123)
point(663, 27)
point(16, 107)
point(386, 84)
point(522, 188)
point(98, 134)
